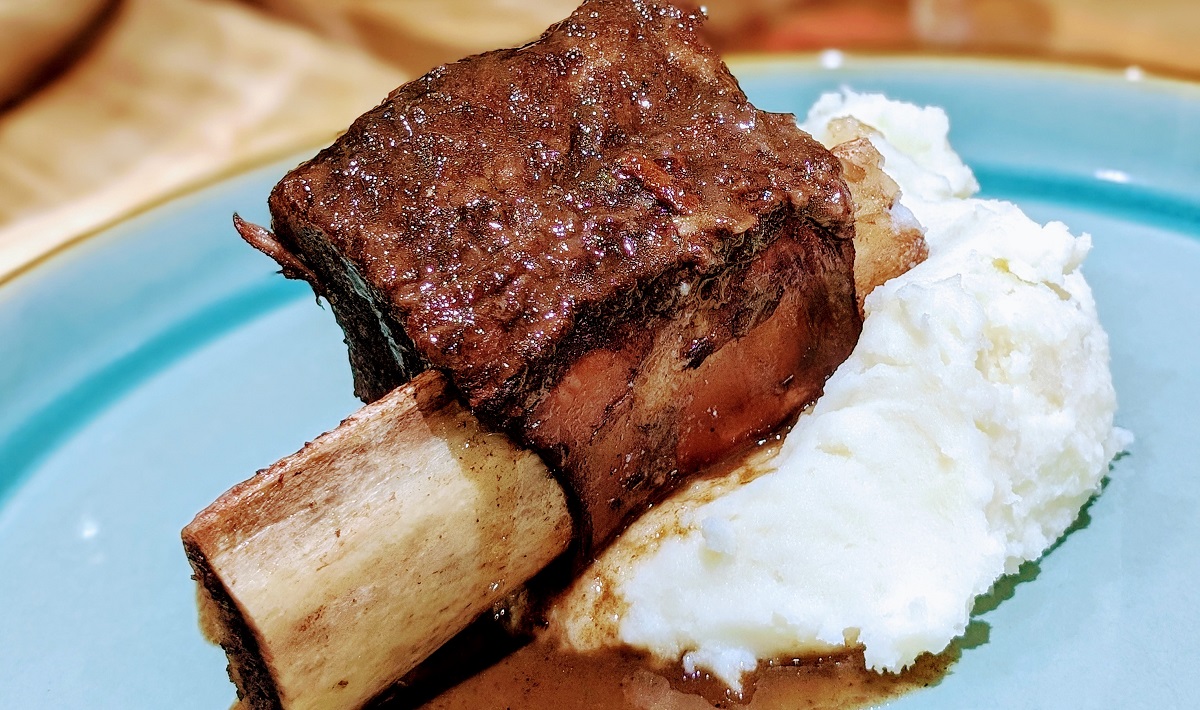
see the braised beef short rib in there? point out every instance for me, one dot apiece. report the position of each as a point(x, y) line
point(613, 256)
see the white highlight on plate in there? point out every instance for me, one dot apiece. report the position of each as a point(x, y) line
point(88, 528)
point(831, 59)
point(1134, 73)
point(1111, 175)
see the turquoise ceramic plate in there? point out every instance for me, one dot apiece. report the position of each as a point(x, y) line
point(151, 367)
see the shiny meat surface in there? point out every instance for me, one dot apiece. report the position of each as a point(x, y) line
point(589, 234)
point(631, 420)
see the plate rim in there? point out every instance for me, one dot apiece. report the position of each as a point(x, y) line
point(741, 64)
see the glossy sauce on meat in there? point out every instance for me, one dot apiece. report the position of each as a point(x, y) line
point(612, 254)
point(496, 202)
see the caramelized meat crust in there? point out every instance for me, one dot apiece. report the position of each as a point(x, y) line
point(888, 241)
point(612, 253)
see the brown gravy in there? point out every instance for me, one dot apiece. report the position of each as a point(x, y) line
point(477, 672)
point(540, 676)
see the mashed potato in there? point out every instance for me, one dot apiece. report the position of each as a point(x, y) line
point(961, 438)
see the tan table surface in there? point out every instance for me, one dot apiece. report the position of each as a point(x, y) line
point(110, 106)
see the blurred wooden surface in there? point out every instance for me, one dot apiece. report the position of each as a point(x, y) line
point(107, 106)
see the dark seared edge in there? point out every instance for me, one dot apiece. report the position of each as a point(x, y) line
point(382, 356)
point(247, 668)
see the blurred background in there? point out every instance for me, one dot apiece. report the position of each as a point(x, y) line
point(108, 106)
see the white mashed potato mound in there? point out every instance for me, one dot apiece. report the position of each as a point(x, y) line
point(960, 439)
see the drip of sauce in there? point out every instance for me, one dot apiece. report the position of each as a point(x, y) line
point(541, 676)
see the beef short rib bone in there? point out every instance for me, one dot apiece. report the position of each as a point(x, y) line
point(339, 568)
point(293, 521)
point(612, 254)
